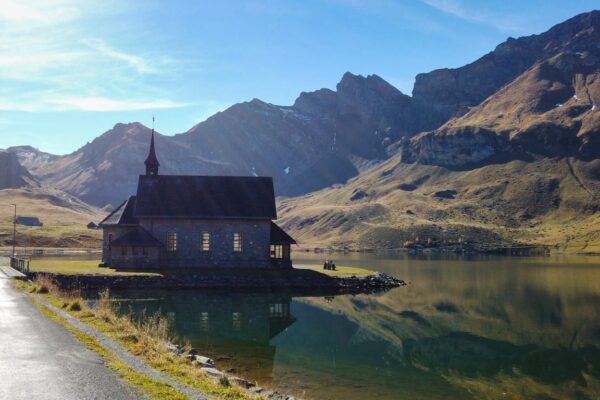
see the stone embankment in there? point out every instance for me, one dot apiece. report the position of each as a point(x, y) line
point(207, 365)
point(298, 281)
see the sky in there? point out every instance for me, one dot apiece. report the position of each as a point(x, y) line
point(71, 69)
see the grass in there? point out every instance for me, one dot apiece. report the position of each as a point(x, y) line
point(64, 218)
point(340, 272)
point(495, 205)
point(90, 267)
point(144, 338)
point(76, 267)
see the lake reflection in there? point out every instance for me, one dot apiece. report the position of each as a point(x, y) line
point(480, 327)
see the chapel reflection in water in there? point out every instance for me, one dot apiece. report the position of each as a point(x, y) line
point(220, 324)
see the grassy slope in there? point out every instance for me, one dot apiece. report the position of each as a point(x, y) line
point(64, 217)
point(544, 201)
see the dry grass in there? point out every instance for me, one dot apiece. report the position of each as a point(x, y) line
point(537, 202)
point(64, 217)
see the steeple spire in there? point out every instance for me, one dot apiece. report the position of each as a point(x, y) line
point(151, 162)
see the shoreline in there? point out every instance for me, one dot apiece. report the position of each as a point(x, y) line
point(298, 281)
point(101, 322)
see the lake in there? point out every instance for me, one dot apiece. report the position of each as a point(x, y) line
point(466, 327)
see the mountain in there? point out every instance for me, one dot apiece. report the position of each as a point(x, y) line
point(33, 159)
point(324, 138)
point(522, 166)
point(550, 109)
point(105, 171)
point(451, 92)
point(500, 151)
point(12, 173)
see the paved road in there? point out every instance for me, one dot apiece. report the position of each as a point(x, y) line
point(39, 359)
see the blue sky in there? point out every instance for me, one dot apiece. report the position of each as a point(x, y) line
point(70, 69)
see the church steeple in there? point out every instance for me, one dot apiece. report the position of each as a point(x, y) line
point(151, 162)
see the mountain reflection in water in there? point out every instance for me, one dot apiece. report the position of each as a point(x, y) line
point(464, 328)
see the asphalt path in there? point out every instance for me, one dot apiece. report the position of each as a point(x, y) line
point(40, 359)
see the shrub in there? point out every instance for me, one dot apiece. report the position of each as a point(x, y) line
point(44, 285)
point(74, 306)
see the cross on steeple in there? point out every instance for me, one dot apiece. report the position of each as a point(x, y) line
point(151, 162)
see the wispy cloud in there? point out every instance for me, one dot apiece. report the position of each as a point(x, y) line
point(494, 19)
point(50, 61)
point(134, 61)
point(106, 104)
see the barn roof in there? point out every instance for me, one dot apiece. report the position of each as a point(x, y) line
point(137, 237)
point(279, 236)
point(176, 196)
point(29, 221)
point(122, 215)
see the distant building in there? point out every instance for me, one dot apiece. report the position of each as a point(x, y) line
point(28, 221)
point(93, 225)
point(196, 222)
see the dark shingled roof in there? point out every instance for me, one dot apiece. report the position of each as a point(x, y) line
point(137, 237)
point(279, 236)
point(173, 196)
point(122, 215)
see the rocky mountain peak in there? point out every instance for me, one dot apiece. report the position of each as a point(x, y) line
point(12, 174)
point(451, 91)
point(370, 86)
point(319, 102)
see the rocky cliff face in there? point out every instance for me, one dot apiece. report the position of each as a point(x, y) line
point(32, 159)
point(551, 109)
point(12, 174)
point(451, 92)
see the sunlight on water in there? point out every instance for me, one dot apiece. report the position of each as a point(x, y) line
point(465, 327)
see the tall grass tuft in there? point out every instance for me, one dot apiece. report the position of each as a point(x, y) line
point(104, 308)
point(43, 284)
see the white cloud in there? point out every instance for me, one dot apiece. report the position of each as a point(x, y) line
point(46, 11)
point(136, 62)
point(106, 104)
point(50, 60)
point(458, 10)
point(64, 103)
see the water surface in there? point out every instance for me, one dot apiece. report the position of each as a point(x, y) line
point(464, 328)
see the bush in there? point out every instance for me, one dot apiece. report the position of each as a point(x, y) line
point(74, 306)
point(44, 284)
